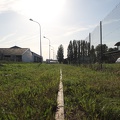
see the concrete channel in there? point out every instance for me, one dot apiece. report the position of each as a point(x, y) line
point(60, 101)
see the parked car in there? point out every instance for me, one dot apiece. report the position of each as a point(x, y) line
point(118, 60)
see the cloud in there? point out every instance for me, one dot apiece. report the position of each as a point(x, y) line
point(19, 39)
point(6, 37)
point(73, 30)
point(6, 5)
point(11, 5)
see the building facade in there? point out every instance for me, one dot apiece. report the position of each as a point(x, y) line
point(18, 54)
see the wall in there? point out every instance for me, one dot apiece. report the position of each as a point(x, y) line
point(27, 56)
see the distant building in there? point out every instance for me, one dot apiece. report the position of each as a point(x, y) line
point(18, 54)
point(118, 45)
point(113, 55)
point(51, 61)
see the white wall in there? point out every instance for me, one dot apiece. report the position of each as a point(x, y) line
point(27, 56)
point(118, 47)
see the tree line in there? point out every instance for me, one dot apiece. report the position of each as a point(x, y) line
point(81, 52)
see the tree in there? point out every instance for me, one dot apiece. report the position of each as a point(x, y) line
point(75, 51)
point(83, 50)
point(112, 49)
point(60, 55)
point(99, 55)
point(92, 55)
point(70, 52)
point(109, 55)
point(78, 52)
point(79, 55)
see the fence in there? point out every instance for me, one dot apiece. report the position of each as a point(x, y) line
point(110, 29)
point(107, 31)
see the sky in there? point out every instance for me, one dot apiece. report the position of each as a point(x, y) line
point(60, 21)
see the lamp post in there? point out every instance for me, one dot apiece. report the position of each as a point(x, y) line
point(40, 35)
point(53, 51)
point(49, 45)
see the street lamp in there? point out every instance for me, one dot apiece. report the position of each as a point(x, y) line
point(49, 45)
point(40, 35)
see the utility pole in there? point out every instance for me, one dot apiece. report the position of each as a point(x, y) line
point(101, 43)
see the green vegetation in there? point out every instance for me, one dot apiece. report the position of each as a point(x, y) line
point(60, 55)
point(81, 51)
point(91, 94)
point(28, 91)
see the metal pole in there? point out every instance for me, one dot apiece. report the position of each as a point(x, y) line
point(53, 51)
point(101, 43)
point(40, 35)
point(89, 47)
point(49, 49)
point(49, 45)
point(40, 42)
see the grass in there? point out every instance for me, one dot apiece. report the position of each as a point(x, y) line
point(28, 91)
point(91, 94)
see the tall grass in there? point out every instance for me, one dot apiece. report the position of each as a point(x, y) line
point(90, 94)
point(28, 91)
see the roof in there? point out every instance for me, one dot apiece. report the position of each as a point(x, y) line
point(112, 52)
point(117, 44)
point(15, 47)
point(13, 51)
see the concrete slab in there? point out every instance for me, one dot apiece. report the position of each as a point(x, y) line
point(60, 101)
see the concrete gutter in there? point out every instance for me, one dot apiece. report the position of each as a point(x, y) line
point(60, 101)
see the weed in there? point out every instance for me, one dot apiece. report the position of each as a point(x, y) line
point(95, 93)
point(28, 91)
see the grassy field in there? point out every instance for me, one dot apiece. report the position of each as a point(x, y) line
point(28, 91)
point(91, 94)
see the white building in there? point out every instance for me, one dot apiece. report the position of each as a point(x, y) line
point(16, 53)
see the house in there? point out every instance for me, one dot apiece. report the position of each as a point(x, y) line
point(112, 56)
point(118, 60)
point(118, 45)
point(16, 53)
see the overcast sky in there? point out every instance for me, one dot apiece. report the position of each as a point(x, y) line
point(60, 20)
